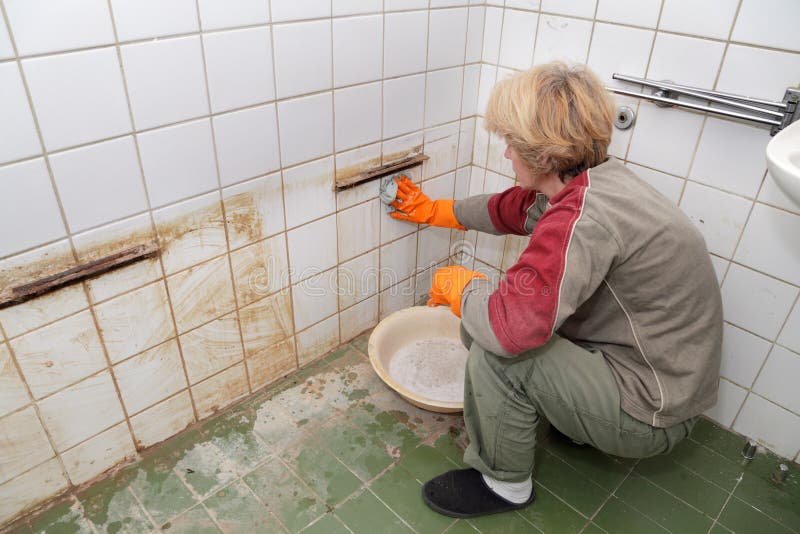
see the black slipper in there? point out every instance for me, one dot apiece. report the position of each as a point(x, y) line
point(463, 493)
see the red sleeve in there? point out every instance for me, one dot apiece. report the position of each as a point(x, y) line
point(509, 210)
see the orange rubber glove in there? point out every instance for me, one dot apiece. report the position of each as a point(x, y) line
point(415, 206)
point(448, 285)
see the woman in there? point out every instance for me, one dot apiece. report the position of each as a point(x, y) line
point(610, 323)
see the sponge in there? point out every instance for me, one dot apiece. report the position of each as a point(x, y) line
point(388, 191)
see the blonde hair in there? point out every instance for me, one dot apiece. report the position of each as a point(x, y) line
point(557, 118)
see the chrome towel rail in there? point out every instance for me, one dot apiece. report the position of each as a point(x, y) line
point(778, 115)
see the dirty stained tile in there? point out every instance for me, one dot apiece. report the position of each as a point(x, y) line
point(191, 232)
point(195, 521)
point(24, 443)
point(24, 492)
point(42, 262)
point(204, 469)
point(233, 433)
point(276, 428)
point(135, 321)
point(65, 517)
point(220, 390)
point(441, 146)
point(163, 420)
point(211, 348)
point(253, 210)
point(30, 315)
point(60, 354)
point(260, 269)
point(324, 474)
point(266, 322)
point(402, 147)
point(201, 294)
point(90, 458)
point(358, 229)
point(81, 411)
point(402, 494)
point(124, 279)
point(150, 377)
point(362, 512)
point(13, 394)
point(111, 506)
point(365, 456)
point(359, 318)
point(268, 364)
point(317, 340)
point(237, 510)
point(357, 279)
point(159, 489)
point(327, 524)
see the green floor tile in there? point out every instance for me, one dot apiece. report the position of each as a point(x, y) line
point(461, 526)
point(237, 511)
point(65, 518)
point(403, 494)
point(111, 507)
point(570, 485)
point(204, 469)
point(383, 426)
point(323, 473)
point(365, 514)
point(718, 439)
point(425, 462)
point(276, 429)
point(329, 524)
point(234, 435)
point(706, 463)
point(661, 507)
point(602, 469)
point(162, 493)
point(742, 518)
point(682, 483)
point(344, 357)
point(719, 529)
point(550, 514)
point(505, 523)
point(616, 516)
point(771, 499)
point(194, 521)
point(285, 495)
point(365, 456)
point(362, 341)
point(591, 528)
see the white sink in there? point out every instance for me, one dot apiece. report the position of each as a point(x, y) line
point(783, 160)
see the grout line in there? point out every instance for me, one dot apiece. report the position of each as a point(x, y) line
point(724, 505)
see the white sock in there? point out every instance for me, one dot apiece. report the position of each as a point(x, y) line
point(516, 492)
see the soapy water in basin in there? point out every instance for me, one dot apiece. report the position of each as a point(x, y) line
point(433, 368)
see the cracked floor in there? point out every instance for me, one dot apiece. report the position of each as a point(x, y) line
point(331, 450)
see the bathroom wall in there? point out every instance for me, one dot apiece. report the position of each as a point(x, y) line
point(714, 169)
point(215, 129)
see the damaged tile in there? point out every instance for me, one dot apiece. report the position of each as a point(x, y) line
point(211, 348)
point(260, 269)
point(201, 294)
point(150, 377)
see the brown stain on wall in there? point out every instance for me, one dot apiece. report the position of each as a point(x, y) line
point(244, 217)
point(191, 225)
point(49, 264)
point(403, 154)
point(357, 168)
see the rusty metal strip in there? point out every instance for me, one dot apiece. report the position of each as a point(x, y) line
point(20, 294)
point(379, 172)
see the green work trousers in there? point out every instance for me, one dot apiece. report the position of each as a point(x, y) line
point(570, 386)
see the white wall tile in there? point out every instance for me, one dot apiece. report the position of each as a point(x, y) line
point(772, 194)
point(99, 183)
point(466, 138)
point(485, 85)
point(6, 50)
point(81, 411)
point(357, 279)
point(516, 43)
point(135, 321)
point(434, 246)
point(13, 394)
point(253, 210)
point(773, 426)
point(18, 137)
point(216, 14)
point(139, 19)
point(668, 185)
point(150, 377)
point(475, 22)
point(266, 323)
point(776, 381)
point(619, 49)
point(239, 66)
point(302, 57)
point(562, 38)
point(96, 455)
point(392, 229)
point(756, 302)
point(283, 10)
point(398, 260)
point(530, 5)
point(59, 354)
point(709, 18)
point(770, 243)
point(719, 216)
point(492, 35)
point(405, 43)
point(313, 299)
point(742, 355)
point(267, 366)
point(634, 12)
point(770, 23)
point(720, 267)
point(247, 143)
point(685, 60)
point(575, 8)
point(212, 348)
point(40, 26)
point(757, 72)
point(396, 298)
point(27, 184)
point(357, 111)
point(178, 161)
point(317, 340)
point(24, 443)
point(447, 35)
point(729, 399)
point(312, 248)
point(35, 486)
point(165, 80)
point(78, 97)
point(260, 269)
point(357, 50)
point(306, 128)
point(790, 335)
point(441, 96)
point(220, 391)
point(665, 138)
point(403, 105)
point(355, 7)
point(395, 5)
point(731, 156)
point(309, 192)
point(359, 318)
point(201, 294)
point(358, 229)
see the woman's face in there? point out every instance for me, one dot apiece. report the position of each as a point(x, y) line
point(525, 177)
